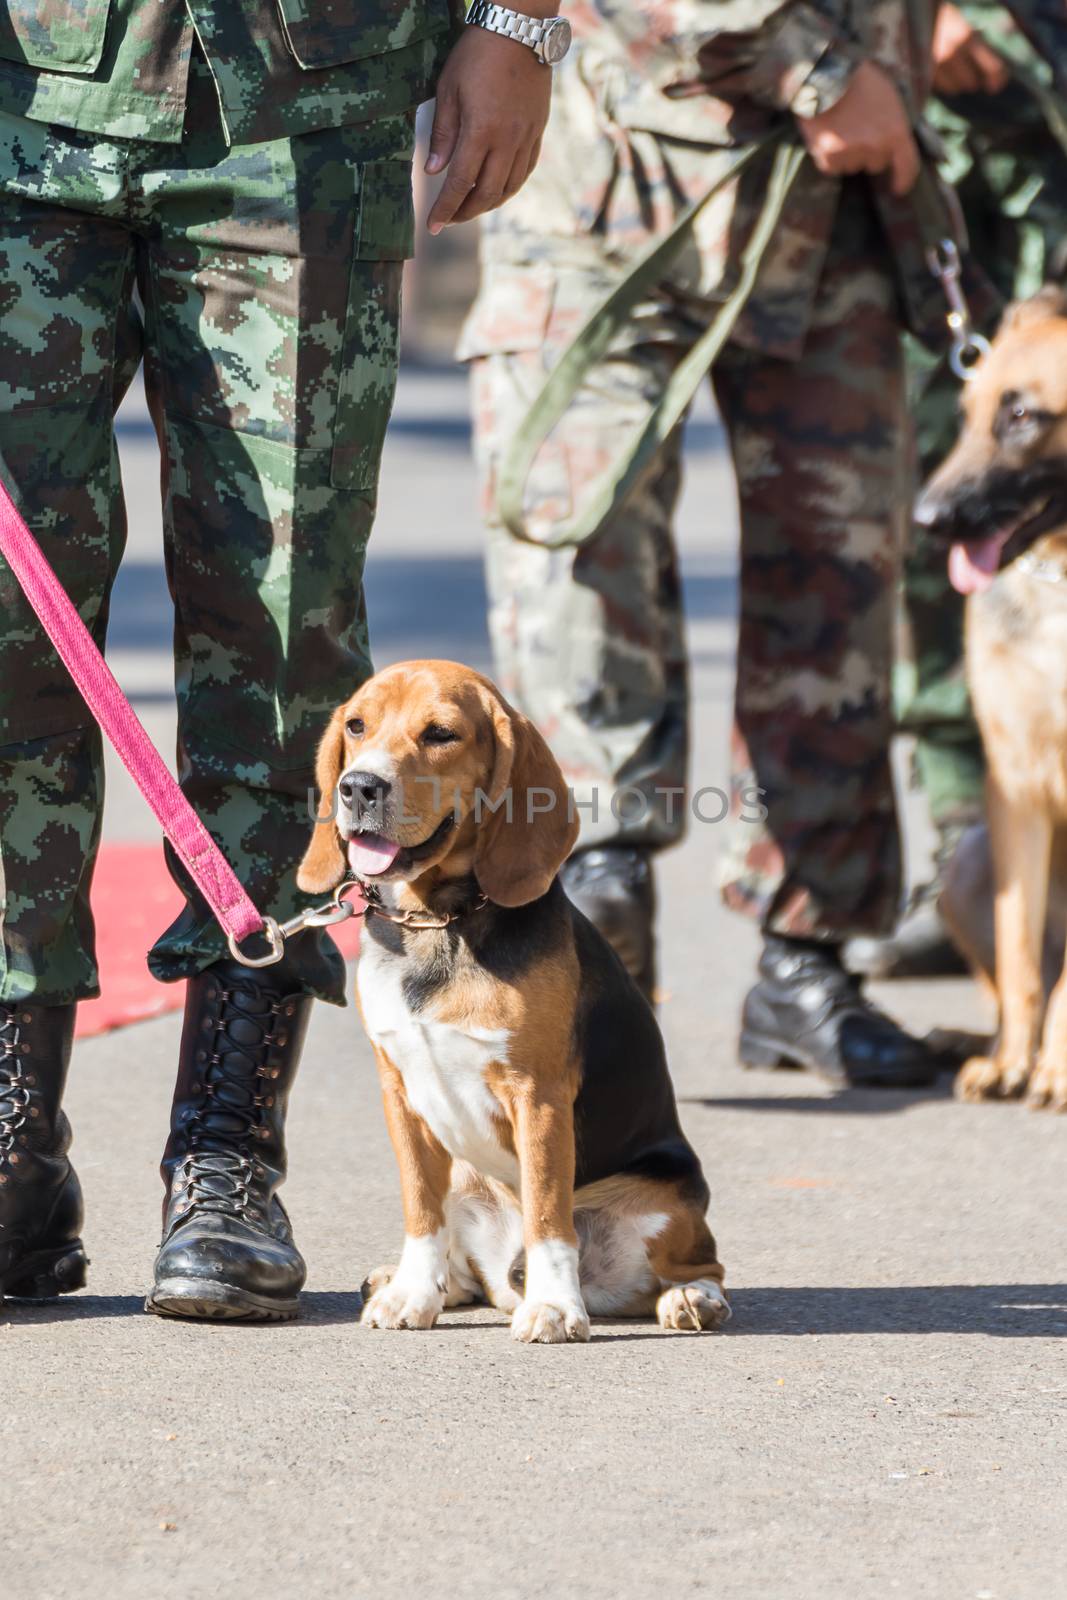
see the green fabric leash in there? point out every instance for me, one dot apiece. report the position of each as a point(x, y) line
point(592, 340)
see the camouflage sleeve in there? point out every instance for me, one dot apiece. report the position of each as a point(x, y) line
point(793, 58)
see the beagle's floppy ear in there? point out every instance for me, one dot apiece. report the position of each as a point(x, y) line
point(323, 865)
point(526, 829)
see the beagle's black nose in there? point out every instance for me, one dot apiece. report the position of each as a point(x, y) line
point(364, 790)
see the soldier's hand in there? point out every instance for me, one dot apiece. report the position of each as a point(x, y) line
point(963, 62)
point(866, 131)
point(492, 106)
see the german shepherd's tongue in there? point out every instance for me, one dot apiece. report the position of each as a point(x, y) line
point(972, 567)
point(369, 854)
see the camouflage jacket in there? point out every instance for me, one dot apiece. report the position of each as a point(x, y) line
point(120, 68)
point(649, 106)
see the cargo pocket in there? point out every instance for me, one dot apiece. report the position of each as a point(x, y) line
point(56, 35)
point(351, 30)
point(27, 156)
point(511, 313)
point(385, 238)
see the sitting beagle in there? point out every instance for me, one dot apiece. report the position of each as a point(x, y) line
point(527, 1096)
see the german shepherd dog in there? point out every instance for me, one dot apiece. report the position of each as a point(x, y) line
point(1000, 503)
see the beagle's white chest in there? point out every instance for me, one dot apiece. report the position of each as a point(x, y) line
point(443, 1066)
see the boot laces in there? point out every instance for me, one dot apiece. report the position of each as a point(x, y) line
point(14, 1092)
point(217, 1169)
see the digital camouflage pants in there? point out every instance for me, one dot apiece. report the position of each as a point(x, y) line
point(261, 286)
point(590, 642)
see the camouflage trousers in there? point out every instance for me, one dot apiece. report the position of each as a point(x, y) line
point(590, 642)
point(261, 286)
point(1011, 178)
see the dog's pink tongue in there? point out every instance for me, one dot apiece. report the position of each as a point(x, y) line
point(368, 854)
point(972, 567)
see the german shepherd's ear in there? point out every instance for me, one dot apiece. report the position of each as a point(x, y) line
point(323, 865)
point(527, 827)
point(1049, 301)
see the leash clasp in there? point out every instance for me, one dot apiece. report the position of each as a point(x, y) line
point(968, 346)
point(337, 909)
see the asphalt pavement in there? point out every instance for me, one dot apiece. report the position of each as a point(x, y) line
point(883, 1416)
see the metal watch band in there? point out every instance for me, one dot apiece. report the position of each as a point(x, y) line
point(530, 31)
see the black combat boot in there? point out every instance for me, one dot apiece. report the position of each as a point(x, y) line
point(614, 887)
point(227, 1249)
point(807, 1011)
point(41, 1253)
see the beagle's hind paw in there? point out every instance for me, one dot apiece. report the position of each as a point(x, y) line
point(693, 1307)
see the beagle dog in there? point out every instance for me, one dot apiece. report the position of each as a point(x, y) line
point(527, 1097)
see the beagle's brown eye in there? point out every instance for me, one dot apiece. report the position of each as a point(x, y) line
point(354, 727)
point(436, 734)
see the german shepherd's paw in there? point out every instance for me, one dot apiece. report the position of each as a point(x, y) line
point(989, 1078)
point(1048, 1087)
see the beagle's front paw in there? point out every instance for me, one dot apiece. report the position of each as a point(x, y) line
point(403, 1305)
point(539, 1322)
point(376, 1280)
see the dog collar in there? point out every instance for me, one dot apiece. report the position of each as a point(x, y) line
point(417, 920)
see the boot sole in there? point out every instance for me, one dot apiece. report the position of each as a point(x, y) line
point(758, 1051)
point(46, 1274)
point(196, 1301)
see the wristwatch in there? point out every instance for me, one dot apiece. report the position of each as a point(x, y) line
point(548, 37)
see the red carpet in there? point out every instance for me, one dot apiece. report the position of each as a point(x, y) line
point(133, 901)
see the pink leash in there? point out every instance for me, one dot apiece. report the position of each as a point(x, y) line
point(208, 867)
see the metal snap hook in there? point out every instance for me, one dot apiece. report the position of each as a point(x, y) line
point(968, 347)
point(337, 909)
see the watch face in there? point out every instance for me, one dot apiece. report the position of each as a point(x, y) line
point(557, 41)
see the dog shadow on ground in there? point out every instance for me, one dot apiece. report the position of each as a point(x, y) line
point(848, 1102)
point(998, 1310)
point(1001, 1310)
